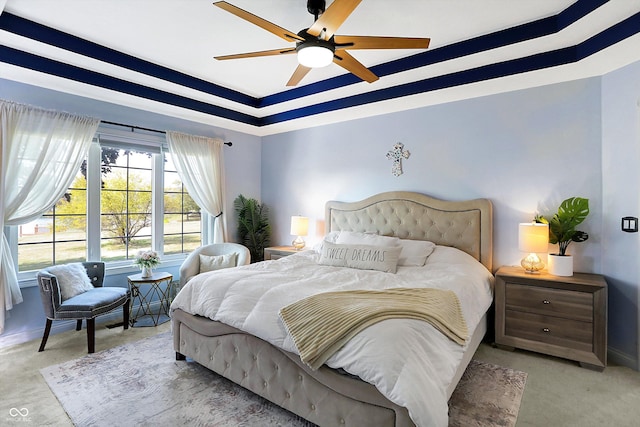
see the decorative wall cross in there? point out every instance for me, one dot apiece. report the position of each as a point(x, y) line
point(396, 155)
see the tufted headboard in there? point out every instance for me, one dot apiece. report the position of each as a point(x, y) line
point(465, 225)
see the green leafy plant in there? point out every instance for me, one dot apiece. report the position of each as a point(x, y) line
point(254, 230)
point(562, 226)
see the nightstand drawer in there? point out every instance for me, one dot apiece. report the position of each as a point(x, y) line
point(551, 330)
point(552, 302)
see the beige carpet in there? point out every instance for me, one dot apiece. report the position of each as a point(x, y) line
point(140, 383)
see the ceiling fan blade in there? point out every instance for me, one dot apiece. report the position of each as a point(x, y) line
point(352, 65)
point(298, 75)
point(372, 42)
point(333, 17)
point(272, 52)
point(262, 23)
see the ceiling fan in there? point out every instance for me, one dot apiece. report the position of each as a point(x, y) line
point(318, 45)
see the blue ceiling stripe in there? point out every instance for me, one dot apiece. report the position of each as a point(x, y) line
point(487, 72)
point(538, 28)
point(611, 35)
point(527, 31)
point(578, 10)
point(51, 36)
point(494, 40)
point(56, 68)
point(604, 39)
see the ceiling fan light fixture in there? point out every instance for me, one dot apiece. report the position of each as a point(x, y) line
point(315, 54)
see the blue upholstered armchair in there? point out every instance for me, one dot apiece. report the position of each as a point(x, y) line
point(67, 294)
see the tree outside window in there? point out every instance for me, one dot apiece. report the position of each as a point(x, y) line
point(126, 200)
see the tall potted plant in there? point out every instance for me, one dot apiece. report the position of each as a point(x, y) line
point(562, 231)
point(254, 230)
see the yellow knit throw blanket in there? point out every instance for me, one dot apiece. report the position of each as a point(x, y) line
point(321, 324)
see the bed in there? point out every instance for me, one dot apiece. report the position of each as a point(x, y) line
point(333, 395)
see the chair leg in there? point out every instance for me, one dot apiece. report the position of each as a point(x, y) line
point(45, 336)
point(79, 325)
point(125, 314)
point(91, 334)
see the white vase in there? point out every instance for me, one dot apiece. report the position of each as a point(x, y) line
point(560, 265)
point(147, 272)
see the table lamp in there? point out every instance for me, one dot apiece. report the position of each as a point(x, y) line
point(533, 237)
point(299, 228)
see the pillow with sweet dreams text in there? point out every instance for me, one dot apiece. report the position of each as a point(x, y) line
point(363, 257)
point(414, 252)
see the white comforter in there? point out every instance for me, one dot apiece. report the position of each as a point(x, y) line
point(412, 368)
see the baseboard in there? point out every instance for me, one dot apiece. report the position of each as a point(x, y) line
point(59, 326)
point(620, 358)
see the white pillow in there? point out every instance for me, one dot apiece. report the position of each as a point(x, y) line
point(72, 279)
point(331, 237)
point(217, 262)
point(363, 257)
point(357, 238)
point(415, 252)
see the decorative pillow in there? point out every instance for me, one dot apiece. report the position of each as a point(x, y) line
point(72, 279)
point(363, 257)
point(357, 238)
point(415, 252)
point(217, 262)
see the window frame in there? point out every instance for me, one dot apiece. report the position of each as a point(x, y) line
point(134, 139)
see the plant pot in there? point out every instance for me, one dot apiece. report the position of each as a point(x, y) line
point(560, 265)
point(147, 272)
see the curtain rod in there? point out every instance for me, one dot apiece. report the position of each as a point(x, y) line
point(147, 129)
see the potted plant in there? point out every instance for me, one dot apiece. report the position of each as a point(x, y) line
point(253, 226)
point(562, 231)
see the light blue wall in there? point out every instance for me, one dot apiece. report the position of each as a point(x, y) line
point(526, 151)
point(621, 179)
point(242, 175)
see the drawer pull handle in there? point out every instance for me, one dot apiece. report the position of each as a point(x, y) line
point(546, 330)
point(546, 301)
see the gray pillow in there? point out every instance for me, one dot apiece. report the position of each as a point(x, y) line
point(363, 257)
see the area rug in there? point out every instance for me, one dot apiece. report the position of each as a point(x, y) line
point(141, 384)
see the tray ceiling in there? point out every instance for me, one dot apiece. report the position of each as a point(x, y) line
point(157, 55)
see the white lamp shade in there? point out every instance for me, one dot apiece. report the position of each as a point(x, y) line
point(315, 56)
point(533, 237)
point(299, 225)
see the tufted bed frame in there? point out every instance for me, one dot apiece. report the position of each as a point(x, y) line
point(327, 397)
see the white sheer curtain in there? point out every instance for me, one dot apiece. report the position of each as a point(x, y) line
point(198, 160)
point(41, 153)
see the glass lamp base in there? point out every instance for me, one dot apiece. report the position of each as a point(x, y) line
point(299, 243)
point(532, 264)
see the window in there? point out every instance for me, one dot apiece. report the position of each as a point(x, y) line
point(60, 235)
point(125, 203)
point(130, 197)
point(182, 217)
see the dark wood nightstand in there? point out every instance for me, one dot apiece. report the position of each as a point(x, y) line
point(559, 316)
point(277, 252)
